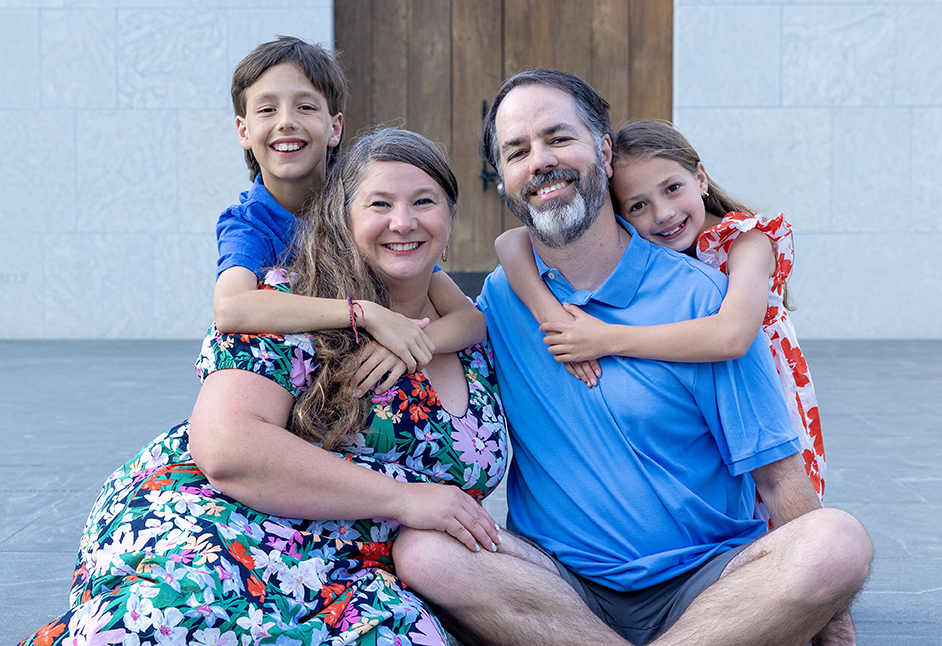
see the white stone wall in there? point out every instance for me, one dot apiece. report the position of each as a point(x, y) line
point(831, 112)
point(117, 153)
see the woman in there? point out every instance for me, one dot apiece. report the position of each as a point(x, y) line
point(196, 540)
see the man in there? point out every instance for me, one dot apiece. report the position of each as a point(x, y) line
point(635, 497)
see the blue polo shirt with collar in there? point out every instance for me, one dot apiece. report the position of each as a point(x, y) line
point(646, 475)
point(256, 233)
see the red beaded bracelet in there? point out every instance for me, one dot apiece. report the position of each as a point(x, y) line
point(353, 320)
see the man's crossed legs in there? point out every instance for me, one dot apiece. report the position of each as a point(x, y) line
point(781, 590)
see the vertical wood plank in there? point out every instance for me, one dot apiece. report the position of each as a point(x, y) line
point(400, 66)
point(528, 35)
point(610, 51)
point(353, 21)
point(652, 65)
point(429, 63)
point(572, 38)
point(390, 61)
point(478, 73)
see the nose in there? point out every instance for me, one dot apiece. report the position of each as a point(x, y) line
point(402, 220)
point(542, 158)
point(663, 213)
point(287, 120)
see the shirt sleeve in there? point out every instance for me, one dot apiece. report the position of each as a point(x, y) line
point(242, 244)
point(752, 426)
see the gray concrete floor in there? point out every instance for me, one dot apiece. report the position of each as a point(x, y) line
point(72, 411)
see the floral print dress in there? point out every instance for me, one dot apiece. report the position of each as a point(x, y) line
point(713, 249)
point(168, 559)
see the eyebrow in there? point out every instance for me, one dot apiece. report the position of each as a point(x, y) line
point(421, 190)
point(269, 96)
point(673, 179)
point(545, 132)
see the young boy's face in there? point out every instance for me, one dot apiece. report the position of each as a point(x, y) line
point(288, 126)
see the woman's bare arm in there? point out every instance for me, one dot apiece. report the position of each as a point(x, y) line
point(239, 441)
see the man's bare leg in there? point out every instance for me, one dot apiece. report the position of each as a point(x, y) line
point(838, 632)
point(781, 590)
point(784, 588)
point(512, 597)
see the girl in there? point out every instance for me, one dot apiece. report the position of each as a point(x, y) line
point(661, 188)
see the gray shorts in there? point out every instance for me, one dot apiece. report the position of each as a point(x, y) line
point(641, 615)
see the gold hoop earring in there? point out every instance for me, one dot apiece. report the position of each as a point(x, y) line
point(445, 254)
point(705, 194)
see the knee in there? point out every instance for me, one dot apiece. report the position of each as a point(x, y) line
point(424, 560)
point(839, 552)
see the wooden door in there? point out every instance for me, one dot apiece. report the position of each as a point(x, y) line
point(432, 65)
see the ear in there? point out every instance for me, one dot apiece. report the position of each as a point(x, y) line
point(702, 178)
point(336, 130)
point(243, 131)
point(607, 155)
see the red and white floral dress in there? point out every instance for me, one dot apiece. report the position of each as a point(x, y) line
point(713, 249)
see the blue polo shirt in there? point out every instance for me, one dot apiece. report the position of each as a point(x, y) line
point(256, 233)
point(646, 475)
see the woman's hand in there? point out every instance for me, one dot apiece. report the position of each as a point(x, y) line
point(380, 368)
point(448, 509)
point(402, 336)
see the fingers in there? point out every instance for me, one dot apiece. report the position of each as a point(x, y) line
point(575, 310)
point(422, 351)
point(398, 369)
point(571, 369)
point(448, 509)
point(474, 527)
point(582, 370)
point(379, 367)
point(409, 360)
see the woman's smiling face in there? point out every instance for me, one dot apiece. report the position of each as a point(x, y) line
point(662, 200)
point(400, 220)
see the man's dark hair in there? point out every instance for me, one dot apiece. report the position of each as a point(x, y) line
point(592, 108)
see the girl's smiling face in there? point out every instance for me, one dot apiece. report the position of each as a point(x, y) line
point(662, 200)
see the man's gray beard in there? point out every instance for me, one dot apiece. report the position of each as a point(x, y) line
point(559, 224)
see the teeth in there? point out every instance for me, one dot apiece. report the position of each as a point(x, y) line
point(672, 231)
point(550, 188)
point(287, 148)
point(402, 246)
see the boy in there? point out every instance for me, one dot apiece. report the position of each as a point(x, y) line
point(288, 97)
